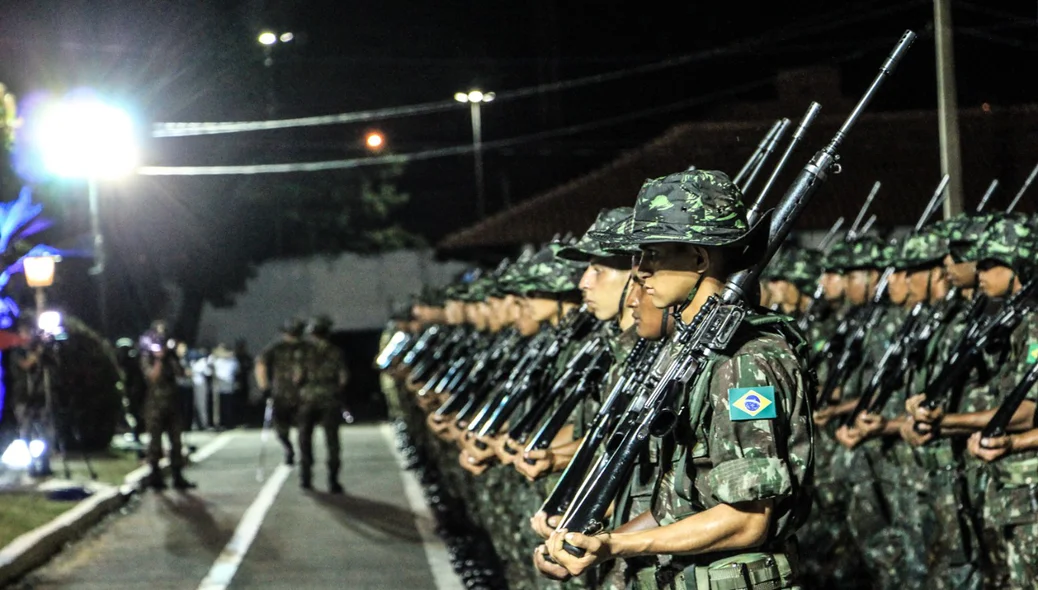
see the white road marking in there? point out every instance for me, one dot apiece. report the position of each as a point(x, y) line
point(226, 565)
point(435, 551)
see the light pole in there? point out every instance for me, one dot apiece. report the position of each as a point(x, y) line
point(475, 99)
point(268, 39)
point(39, 274)
point(82, 137)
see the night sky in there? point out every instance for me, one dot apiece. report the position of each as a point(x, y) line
point(199, 61)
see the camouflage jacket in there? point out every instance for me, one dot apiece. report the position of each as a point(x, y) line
point(280, 358)
point(875, 344)
point(620, 345)
point(1013, 493)
point(744, 433)
point(318, 367)
point(164, 389)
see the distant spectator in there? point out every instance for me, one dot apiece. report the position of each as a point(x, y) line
point(226, 369)
point(201, 376)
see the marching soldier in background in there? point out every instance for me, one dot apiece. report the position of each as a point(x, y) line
point(274, 376)
point(320, 374)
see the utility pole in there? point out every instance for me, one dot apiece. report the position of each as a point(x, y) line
point(947, 107)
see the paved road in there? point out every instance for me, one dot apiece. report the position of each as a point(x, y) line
point(370, 537)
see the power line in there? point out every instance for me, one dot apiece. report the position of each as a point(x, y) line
point(746, 45)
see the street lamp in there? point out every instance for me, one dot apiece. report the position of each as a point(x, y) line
point(39, 274)
point(375, 141)
point(82, 137)
point(475, 99)
point(268, 39)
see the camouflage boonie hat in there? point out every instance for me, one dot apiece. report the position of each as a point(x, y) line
point(837, 259)
point(616, 239)
point(1010, 241)
point(964, 233)
point(590, 244)
point(866, 252)
point(699, 207)
point(293, 327)
point(803, 269)
point(545, 273)
point(431, 296)
point(926, 248)
point(779, 264)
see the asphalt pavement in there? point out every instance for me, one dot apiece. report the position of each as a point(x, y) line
point(249, 525)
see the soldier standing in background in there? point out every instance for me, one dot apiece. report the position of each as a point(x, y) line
point(162, 408)
point(274, 372)
point(321, 375)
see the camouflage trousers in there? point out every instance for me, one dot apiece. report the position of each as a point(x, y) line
point(953, 547)
point(162, 416)
point(326, 412)
point(284, 417)
point(1021, 543)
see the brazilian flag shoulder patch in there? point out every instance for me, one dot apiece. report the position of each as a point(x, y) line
point(752, 403)
point(1032, 353)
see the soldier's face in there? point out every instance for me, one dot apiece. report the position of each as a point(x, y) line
point(922, 283)
point(996, 280)
point(790, 292)
point(540, 309)
point(602, 287)
point(526, 325)
point(897, 287)
point(860, 284)
point(833, 285)
point(960, 274)
point(670, 272)
point(455, 311)
point(648, 319)
point(776, 291)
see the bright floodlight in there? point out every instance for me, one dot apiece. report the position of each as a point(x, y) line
point(85, 138)
point(17, 455)
point(37, 448)
point(475, 96)
point(286, 37)
point(489, 96)
point(49, 322)
point(268, 38)
point(461, 97)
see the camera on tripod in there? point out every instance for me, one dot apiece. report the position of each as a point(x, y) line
point(152, 342)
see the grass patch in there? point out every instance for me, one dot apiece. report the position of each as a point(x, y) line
point(20, 513)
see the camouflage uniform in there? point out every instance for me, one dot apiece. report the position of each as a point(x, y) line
point(721, 452)
point(1011, 501)
point(280, 359)
point(162, 413)
point(318, 371)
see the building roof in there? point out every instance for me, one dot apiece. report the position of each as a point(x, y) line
point(900, 149)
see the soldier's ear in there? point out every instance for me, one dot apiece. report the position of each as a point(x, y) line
point(700, 258)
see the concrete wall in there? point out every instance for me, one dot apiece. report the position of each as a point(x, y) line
point(356, 291)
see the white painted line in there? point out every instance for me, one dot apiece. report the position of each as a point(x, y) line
point(435, 551)
point(226, 565)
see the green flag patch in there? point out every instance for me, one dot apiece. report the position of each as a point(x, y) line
point(751, 403)
point(1032, 353)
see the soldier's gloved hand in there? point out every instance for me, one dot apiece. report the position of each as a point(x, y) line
point(989, 449)
point(547, 568)
point(535, 463)
point(544, 525)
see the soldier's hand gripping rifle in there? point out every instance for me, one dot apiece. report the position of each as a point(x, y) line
point(999, 424)
point(638, 363)
point(579, 324)
point(970, 347)
point(432, 362)
point(710, 332)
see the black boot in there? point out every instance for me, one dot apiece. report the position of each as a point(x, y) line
point(305, 479)
point(154, 479)
point(290, 457)
point(334, 487)
point(180, 483)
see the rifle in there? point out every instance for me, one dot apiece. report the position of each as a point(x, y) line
point(850, 353)
point(972, 344)
point(798, 135)
point(853, 232)
point(987, 196)
point(389, 353)
point(637, 366)
point(426, 368)
point(1004, 415)
point(826, 241)
point(768, 150)
point(710, 332)
point(813, 311)
point(589, 379)
point(868, 224)
point(487, 400)
point(1023, 189)
point(889, 369)
point(757, 152)
point(498, 353)
point(579, 324)
point(422, 344)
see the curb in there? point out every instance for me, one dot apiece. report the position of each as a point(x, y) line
point(34, 548)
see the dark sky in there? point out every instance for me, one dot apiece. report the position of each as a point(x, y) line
point(198, 60)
